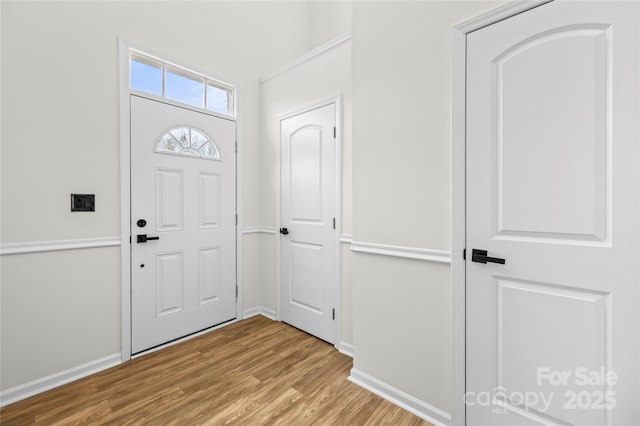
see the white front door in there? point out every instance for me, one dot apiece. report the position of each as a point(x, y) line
point(308, 153)
point(552, 188)
point(183, 198)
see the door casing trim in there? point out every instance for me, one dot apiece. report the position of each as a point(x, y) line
point(458, 192)
point(124, 49)
point(337, 290)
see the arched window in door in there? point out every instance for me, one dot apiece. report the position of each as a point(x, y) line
point(188, 141)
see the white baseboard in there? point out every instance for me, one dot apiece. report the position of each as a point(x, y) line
point(401, 399)
point(345, 348)
point(259, 310)
point(43, 384)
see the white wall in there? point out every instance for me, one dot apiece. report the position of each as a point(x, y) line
point(60, 134)
point(323, 76)
point(327, 20)
point(401, 196)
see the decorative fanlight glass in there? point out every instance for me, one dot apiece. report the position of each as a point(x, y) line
point(188, 141)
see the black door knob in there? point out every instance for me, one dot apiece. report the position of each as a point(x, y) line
point(284, 231)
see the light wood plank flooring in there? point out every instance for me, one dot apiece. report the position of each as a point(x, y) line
point(253, 372)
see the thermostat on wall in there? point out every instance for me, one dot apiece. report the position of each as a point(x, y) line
point(83, 202)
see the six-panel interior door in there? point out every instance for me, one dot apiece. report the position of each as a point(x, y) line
point(185, 281)
point(552, 188)
point(308, 194)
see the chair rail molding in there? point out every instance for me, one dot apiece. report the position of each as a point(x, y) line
point(258, 230)
point(58, 245)
point(415, 253)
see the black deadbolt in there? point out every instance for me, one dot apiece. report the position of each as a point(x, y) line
point(141, 223)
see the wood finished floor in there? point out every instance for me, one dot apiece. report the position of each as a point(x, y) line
point(253, 372)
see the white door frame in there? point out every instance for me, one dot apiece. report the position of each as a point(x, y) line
point(125, 48)
point(337, 291)
point(458, 192)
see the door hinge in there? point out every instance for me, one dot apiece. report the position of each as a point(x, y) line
point(236, 291)
point(334, 223)
point(335, 132)
point(464, 254)
point(236, 219)
point(236, 146)
point(129, 239)
point(333, 313)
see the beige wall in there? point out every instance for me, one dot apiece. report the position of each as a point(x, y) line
point(60, 134)
point(327, 20)
point(58, 311)
point(401, 196)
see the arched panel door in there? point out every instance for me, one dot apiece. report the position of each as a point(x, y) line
point(553, 217)
point(307, 267)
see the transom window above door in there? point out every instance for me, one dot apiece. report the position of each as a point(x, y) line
point(188, 141)
point(159, 78)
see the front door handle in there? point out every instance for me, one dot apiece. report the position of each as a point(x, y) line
point(284, 231)
point(480, 256)
point(142, 238)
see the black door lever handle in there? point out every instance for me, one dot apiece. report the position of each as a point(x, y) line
point(480, 256)
point(284, 231)
point(142, 238)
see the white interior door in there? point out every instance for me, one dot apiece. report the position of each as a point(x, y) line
point(308, 221)
point(552, 188)
point(183, 198)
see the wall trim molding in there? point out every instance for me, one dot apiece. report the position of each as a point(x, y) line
point(58, 245)
point(306, 57)
point(46, 383)
point(345, 348)
point(346, 238)
point(259, 310)
point(414, 253)
point(508, 10)
point(421, 409)
point(258, 230)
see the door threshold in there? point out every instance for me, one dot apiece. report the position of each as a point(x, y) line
point(183, 339)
